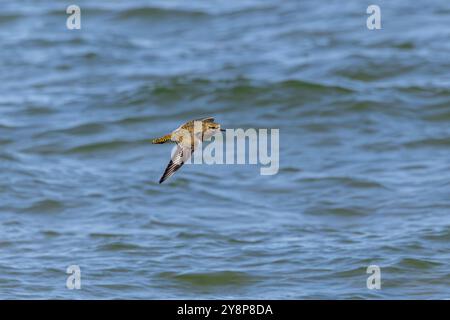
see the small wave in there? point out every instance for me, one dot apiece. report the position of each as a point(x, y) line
point(296, 87)
point(438, 117)
point(440, 236)
point(221, 278)
point(8, 157)
point(191, 235)
point(102, 146)
point(97, 235)
point(85, 129)
point(428, 90)
point(86, 10)
point(5, 141)
point(162, 13)
point(363, 106)
point(364, 69)
point(5, 244)
point(418, 263)
point(120, 246)
point(134, 120)
point(339, 211)
point(120, 287)
point(346, 181)
point(155, 223)
point(406, 45)
point(179, 182)
point(429, 142)
point(354, 272)
point(297, 84)
point(38, 110)
point(8, 18)
point(289, 170)
point(264, 9)
point(50, 233)
point(51, 42)
point(45, 206)
point(243, 241)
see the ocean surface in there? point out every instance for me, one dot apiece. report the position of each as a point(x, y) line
point(364, 177)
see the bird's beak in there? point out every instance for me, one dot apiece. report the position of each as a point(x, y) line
point(223, 130)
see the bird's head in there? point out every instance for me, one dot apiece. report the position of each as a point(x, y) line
point(215, 127)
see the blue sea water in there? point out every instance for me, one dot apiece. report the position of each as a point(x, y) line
point(364, 178)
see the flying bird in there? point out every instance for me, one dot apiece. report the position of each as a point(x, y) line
point(187, 139)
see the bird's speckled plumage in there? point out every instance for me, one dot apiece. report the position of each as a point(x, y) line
point(187, 141)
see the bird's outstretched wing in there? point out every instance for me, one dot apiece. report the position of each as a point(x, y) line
point(209, 119)
point(182, 154)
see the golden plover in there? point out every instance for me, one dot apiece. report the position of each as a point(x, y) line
point(187, 139)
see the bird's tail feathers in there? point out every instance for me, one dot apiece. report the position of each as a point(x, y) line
point(163, 139)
